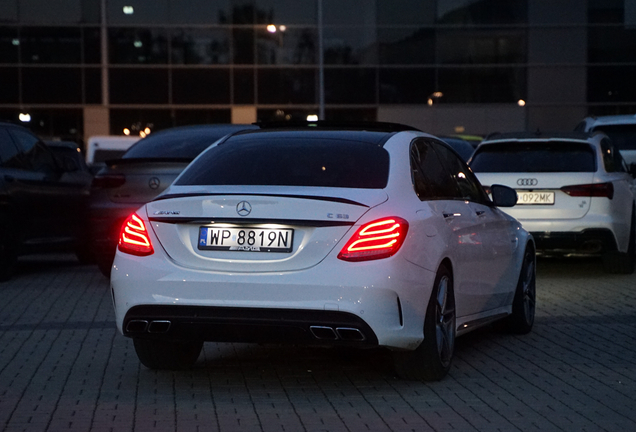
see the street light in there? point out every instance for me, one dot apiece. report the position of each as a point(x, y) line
point(433, 96)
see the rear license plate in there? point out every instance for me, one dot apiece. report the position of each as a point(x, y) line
point(536, 198)
point(246, 239)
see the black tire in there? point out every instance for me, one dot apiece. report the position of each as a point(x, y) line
point(170, 355)
point(431, 361)
point(524, 303)
point(8, 250)
point(105, 264)
point(622, 262)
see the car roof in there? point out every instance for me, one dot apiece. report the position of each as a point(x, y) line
point(541, 136)
point(611, 120)
point(366, 136)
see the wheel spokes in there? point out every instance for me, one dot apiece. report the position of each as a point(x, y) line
point(444, 323)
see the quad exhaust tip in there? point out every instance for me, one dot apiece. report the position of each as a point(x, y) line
point(342, 333)
point(142, 326)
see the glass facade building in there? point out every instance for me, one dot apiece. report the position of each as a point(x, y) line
point(84, 67)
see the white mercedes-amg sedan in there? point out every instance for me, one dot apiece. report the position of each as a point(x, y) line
point(375, 236)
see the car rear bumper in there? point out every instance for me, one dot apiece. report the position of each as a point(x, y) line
point(586, 242)
point(237, 324)
point(379, 302)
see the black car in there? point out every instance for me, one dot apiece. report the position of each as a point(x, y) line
point(42, 198)
point(143, 172)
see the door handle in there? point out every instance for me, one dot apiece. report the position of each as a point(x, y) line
point(451, 215)
point(480, 212)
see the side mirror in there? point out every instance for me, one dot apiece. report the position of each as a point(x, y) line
point(631, 169)
point(503, 196)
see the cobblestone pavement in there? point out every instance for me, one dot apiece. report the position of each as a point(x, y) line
point(64, 367)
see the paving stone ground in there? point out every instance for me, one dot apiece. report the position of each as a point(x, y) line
point(63, 367)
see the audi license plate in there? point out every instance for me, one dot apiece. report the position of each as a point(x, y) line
point(248, 239)
point(537, 198)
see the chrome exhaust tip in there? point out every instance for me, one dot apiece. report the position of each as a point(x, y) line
point(159, 326)
point(348, 333)
point(136, 326)
point(321, 332)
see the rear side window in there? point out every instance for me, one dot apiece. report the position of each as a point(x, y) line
point(623, 136)
point(322, 162)
point(553, 156)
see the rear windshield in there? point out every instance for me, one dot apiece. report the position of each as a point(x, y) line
point(182, 143)
point(321, 162)
point(551, 156)
point(623, 136)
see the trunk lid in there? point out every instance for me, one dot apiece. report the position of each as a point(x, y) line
point(543, 184)
point(309, 225)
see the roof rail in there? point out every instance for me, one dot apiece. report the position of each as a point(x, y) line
point(330, 124)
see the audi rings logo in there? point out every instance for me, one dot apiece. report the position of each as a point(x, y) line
point(153, 183)
point(243, 208)
point(527, 182)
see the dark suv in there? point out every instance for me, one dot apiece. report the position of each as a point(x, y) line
point(42, 201)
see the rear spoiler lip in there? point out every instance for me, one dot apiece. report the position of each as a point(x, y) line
point(248, 221)
point(309, 197)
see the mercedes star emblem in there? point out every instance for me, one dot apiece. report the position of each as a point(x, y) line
point(243, 208)
point(153, 183)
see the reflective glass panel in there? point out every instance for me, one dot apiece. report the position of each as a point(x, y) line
point(131, 12)
point(343, 45)
point(611, 84)
point(9, 45)
point(140, 45)
point(201, 86)
point(243, 45)
point(406, 45)
point(199, 11)
point(243, 86)
point(406, 86)
point(283, 45)
point(405, 12)
point(611, 44)
point(286, 85)
point(481, 46)
point(10, 84)
point(37, 85)
point(51, 45)
point(93, 85)
point(482, 85)
point(92, 45)
point(200, 46)
point(482, 11)
point(138, 85)
point(286, 12)
point(350, 86)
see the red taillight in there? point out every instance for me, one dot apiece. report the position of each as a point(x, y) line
point(134, 238)
point(375, 240)
point(605, 190)
point(108, 181)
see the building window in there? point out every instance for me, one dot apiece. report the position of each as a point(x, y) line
point(138, 46)
point(138, 85)
point(200, 46)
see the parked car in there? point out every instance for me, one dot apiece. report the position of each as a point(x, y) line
point(101, 148)
point(461, 146)
point(361, 237)
point(575, 194)
point(42, 198)
point(620, 128)
point(142, 173)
